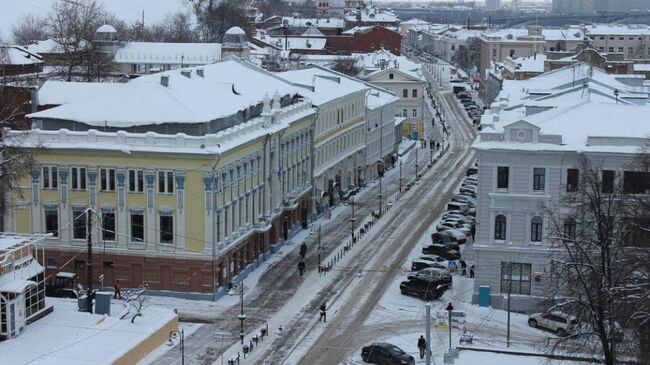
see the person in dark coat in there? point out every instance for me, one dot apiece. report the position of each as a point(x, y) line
point(301, 267)
point(471, 271)
point(422, 346)
point(323, 312)
point(463, 267)
point(118, 290)
point(303, 250)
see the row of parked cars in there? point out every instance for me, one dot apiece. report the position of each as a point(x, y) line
point(474, 111)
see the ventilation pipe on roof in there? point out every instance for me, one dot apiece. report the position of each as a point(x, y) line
point(187, 73)
point(200, 72)
point(164, 80)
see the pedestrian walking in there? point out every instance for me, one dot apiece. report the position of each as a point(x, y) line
point(301, 267)
point(471, 271)
point(323, 312)
point(303, 250)
point(118, 290)
point(473, 231)
point(422, 346)
point(463, 267)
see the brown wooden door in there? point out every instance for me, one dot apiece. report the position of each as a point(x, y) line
point(165, 278)
point(136, 275)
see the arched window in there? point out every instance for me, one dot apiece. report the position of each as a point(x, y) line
point(536, 229)
point(500, 227)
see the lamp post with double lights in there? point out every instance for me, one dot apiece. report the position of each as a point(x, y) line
point(173, 335)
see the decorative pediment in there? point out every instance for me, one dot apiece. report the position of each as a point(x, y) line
point(521, 131)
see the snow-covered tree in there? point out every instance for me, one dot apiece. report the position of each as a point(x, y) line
point(601, 263)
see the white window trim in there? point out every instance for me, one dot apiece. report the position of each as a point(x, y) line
point(107, 171)
point(128, 182)
point(167, 182)
point(50, 179)
point(77, 171)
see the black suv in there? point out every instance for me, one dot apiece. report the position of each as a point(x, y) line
point(440, 277)
point(385, 354)
point(442, 251)
point(443, 237)
point(422, 288)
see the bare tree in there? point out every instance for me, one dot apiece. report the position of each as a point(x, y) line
point(15, 162)
point(346, 65)
point(73, 25)
point(599, 274)
point(30, 28)
point(177, 28)
point(216, 17)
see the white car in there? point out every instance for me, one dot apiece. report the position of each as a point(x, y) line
point(558, 322)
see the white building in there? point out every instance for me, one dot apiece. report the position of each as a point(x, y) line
point(339, 133)
point(380, 130)
point(528, 154)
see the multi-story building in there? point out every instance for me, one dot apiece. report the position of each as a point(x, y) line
point(371, 16)
point(339, 134)
point(186, 193)
point(528, 152)
point(380, 127)
point(629, 40)
point(404, 79)
point(591, 6)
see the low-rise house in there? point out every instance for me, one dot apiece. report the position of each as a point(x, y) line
point(16, 60)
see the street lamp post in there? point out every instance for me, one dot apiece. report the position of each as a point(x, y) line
point(352, 219)
point(450, 308)
point(417, 148)
point(181, 335)
point(400, 175)
point(242, 316)
point(319, 244)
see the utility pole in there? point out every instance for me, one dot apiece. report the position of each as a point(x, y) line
point(242, 317)
point(450, 308)
point(352, 219)
point(400, 175)
point(89, 264)
point(427, 348)
point(319, 246)
point(417, 148)
point(509, 292)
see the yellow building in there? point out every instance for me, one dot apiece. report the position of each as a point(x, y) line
point(172, 210)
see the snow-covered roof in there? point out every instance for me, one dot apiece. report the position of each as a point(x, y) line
point(585, 126)
point(51, 46)
point(106, 28)
point(327, 85)
point(168, 53)
point(367, 28)
point(617, 29)
point(371, 63)
point(525, 64)
point(11, 241)
point(372, 14)
point(462, 34)
point(290, 43)
point(517, 34)
point(235, 30)
point(322, 23)
point(312, 32)
point(16, 55)
point(414, 21)
point(642, 67)
point(61, 92)
point(226, 88)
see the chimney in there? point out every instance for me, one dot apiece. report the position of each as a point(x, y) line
point(200, 72)
point(187, 73)
point(164, 80)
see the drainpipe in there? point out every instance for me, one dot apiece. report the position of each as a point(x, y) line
point(215, 229)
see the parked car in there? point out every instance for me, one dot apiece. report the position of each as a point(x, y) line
point(447, 225)
point(443, 237)
point(464, 199)
point(385, 353)
point(460, 236)
point(442, 251)
point(473, 177)
point(464, 95)
point(423, 289)
point(459, 217)
point(417, 265)
point(469, 190)
point(456, 206)
point(440, 276)
point(561, 323)
point(434, 258)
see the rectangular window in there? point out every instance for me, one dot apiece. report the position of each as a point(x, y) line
point(405, 113)
point(620, 49)
point(539, 178)
point(166, 182)
point(106, 179)
point(415, 113)
point(136, 181)
point(503, 173)
point(108, 226)
point(494, 52)
point(415, 93)
point(405, 93)
point(515, 278)
point(50, 177)
point(572, 177)
point(610, 49)
point(512, 53)
point(166, 228)
point(78, 175)
point(608, 181)
point(137, 226)
point(79, 225)
point(570, 228)
point(52, 221)
point(636, 182)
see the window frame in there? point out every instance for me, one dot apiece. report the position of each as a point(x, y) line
point(536, 229)
point(500, 227)
point(539, 180)
point(107, 179)
point(607, 180)
point(55, 232)
point(52, 179)
point(519, 270)
point(574, 176)
point(165, 180)
point(77, 217)
point(132, 237)
point(78, 177)
point(501, 176)
point(162, 235)
point(405, 93)
point(137, 181)
point(414, 93)
point(107, 230)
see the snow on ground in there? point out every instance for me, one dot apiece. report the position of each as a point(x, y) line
point(129, 10)
point(67, 336)
point(187, 328)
